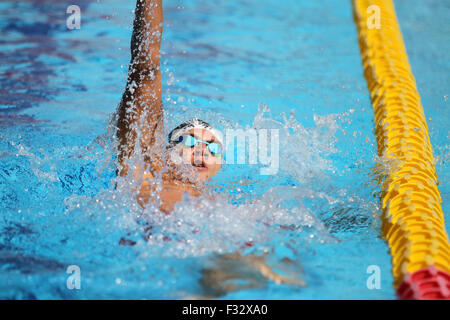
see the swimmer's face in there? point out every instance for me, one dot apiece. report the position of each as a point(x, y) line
point(199, 157)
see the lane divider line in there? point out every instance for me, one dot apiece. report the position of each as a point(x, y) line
point(412, 216)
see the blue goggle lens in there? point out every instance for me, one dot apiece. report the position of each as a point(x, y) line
point(189, 141)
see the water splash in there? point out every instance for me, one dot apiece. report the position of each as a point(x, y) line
point(91, 216)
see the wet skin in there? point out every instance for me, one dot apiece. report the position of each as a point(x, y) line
point(198, 158)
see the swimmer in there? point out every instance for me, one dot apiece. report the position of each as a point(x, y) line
point(193, 145)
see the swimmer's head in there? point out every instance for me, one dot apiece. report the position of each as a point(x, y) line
point(198, 144)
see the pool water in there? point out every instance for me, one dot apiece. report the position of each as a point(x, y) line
point(287, 65)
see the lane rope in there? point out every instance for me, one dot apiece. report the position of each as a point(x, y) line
point(412, 216)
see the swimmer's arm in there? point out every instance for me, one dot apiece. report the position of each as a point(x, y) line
point(141, 105)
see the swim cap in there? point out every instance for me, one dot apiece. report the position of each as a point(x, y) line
point(193, 124)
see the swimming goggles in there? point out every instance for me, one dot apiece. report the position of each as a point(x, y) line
point(190, 141)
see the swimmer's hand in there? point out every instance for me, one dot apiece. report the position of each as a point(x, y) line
point(233, 272)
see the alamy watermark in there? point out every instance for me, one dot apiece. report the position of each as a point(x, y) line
point(253, 145)
point(374, 280)
point(246, 146)
point(74, 20)
point(374, 20)
point(74, 280)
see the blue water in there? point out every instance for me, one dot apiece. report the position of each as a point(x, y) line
point(223, 61)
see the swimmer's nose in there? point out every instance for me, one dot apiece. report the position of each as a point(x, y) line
point(200, 152)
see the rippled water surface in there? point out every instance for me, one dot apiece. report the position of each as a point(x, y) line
point(287, 65)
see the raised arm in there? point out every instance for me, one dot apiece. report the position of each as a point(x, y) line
point(140, 113)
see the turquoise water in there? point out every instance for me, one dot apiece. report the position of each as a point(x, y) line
point(225, 62)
